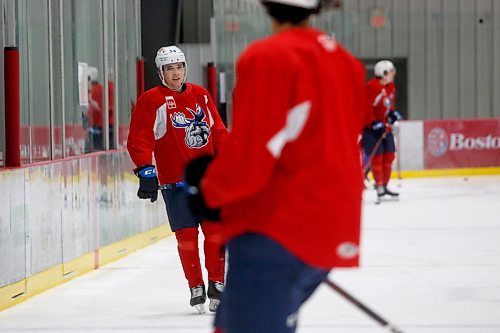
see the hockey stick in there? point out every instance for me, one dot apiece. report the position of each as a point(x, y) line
point(398, 159)
point(374, 150)
point(384, 323)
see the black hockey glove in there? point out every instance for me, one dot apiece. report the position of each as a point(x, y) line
point(393, 116)
point(378, 128)
point(195, 170)
point(148, 182)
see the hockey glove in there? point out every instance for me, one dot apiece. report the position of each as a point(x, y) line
point(148, 182)
point(378, 128)
point(195, 170)
point(393, 116)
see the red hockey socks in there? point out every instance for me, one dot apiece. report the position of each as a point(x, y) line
point(215, 259)
point(187, 245)
point(387, 166)
point(378, 169)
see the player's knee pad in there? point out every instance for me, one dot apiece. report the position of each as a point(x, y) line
point(187, 239)
point(378, 169)
point(388, 158)
point(377, 161)
point(212, 232)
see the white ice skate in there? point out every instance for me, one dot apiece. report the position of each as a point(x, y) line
point(384, 194)
point(215, 289)
point(198, 298)
point(213, 305)
point(200, 308)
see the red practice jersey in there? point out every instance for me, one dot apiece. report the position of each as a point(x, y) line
point(290, 168)
point(176, 127)
point(96, 103)
point(381, 99)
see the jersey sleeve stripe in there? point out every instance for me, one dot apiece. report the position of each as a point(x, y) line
point(160, 126)
point(295, 121)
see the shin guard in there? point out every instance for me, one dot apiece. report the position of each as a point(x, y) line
point(187, 245)
point(215, 259)
point(388, 158)
point(378, 169)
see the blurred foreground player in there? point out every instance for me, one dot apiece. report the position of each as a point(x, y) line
point(177, 121)
point(381, 94)
point(287, 181)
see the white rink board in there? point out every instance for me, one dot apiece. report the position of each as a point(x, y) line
point(411, 145)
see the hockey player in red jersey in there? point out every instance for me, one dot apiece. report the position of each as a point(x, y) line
point(381, 93)
point(287, 182)
point(176, 122)
point(95, 115)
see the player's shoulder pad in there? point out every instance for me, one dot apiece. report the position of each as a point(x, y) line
point(270, 46)
point(197, 89)
point(266, 54)
point(152, 97)
point(150, 93)
point(373, 83)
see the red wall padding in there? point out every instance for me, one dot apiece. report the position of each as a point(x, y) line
point(140, 76)
point(212, 81)
point(12, 108)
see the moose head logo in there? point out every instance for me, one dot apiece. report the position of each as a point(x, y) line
point(197, 130)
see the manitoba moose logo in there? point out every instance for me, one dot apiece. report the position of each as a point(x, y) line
point(197, 130)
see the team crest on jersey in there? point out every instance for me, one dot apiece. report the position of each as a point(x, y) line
point(197, 129)
point(170, 102)
point(387, 102)
point(386, 99)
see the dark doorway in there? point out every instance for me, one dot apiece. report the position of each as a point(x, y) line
point(159, 24)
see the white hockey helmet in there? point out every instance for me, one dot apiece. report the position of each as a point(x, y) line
point(308, 4)
point(169, 55)
point(383, 67)
point(93, 73)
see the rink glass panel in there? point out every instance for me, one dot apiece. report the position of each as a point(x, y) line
point(452, 48)
point(83, 35)
point(35, 83)
point(53, 37)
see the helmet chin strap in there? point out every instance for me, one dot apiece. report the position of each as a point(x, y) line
point(176, 90)
point(384, 80)
point(162, 78)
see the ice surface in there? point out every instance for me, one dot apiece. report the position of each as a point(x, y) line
point(430, 263)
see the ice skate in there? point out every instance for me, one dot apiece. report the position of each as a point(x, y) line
point(380, 193)
point(215, 290)
point(389, 192)
point(198, 298)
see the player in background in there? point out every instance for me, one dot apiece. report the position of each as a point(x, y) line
point(381, 94)
point(95, 115)
point(288, 180)
point(177, 121)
